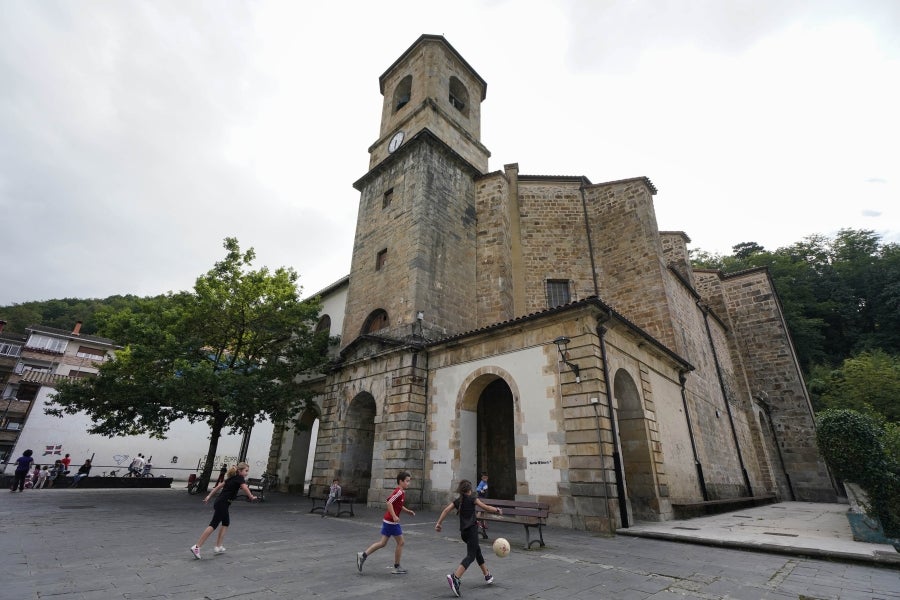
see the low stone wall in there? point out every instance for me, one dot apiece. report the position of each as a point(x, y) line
point(103, 482)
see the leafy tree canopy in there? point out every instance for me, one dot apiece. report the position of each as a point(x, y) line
point(840, 296)
point(227, 353)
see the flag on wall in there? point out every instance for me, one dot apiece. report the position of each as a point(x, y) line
point(52, 450)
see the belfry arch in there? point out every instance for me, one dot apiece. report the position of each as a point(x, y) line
point(487, 431)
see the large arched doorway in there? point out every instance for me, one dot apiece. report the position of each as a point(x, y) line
point(359, 442)
point(637, 458)
point(496, 443)
point(303, 448)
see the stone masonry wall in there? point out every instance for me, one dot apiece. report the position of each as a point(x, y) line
point(428, 231)
point(493, 299)
point(629, 255)
point(766, 351)
point(398, 389)
point(553, 240)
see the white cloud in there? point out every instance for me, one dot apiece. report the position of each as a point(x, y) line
point(136, 136)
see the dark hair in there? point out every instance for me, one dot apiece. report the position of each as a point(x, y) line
point(27, 452)
point(464, 487)
point(402, 475)
point(484, 474)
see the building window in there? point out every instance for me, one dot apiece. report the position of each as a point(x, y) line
point(378, 319)
point(387, 199)
point(43, 343)
point(91, 353)
point(324, 325)
point(381, 260)
point(10, 349)
point(402, 93)
point(459, 96)
point(558, 292)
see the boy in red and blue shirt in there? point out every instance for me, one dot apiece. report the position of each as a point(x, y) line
point(390, 526)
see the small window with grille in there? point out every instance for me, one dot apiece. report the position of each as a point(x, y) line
point(381, 260)
point(558, 292)
point(387, 198)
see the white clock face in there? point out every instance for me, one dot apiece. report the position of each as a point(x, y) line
point(395, 141)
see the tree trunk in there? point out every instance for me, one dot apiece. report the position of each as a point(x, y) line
point(216, 422)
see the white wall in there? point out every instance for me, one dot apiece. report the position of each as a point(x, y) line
point(177, 456)
point(535, 389)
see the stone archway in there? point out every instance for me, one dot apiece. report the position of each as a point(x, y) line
point(358, 445)
point(302, 450)
point(496, 439)
point(637, 457)
point(487, 431)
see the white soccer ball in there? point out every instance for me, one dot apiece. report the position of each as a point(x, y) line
point(501, 547)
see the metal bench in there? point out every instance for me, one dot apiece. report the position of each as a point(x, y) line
point(344, 504)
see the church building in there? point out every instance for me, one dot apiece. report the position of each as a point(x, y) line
point(544, 330)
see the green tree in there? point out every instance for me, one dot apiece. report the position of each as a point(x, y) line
point(228, 353)
point(853, 445)
point(869, 381)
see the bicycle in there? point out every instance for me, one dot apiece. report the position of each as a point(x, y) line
point(269, 481)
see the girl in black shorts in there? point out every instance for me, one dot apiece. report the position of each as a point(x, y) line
point(235, 481)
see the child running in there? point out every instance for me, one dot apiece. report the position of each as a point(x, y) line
point(390, 525)
point(235, 481)
point(465, 504)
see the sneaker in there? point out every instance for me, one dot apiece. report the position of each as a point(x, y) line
point(398, 571)
point(219, 550)
point(195, 550)
point(489, 578)
point(453, 580)
point(360, 559)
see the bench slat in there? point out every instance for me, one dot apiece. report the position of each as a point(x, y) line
point(525, 513)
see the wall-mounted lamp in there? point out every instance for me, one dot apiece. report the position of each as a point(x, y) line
point(562, 343)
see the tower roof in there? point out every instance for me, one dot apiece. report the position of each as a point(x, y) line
point(423, 39)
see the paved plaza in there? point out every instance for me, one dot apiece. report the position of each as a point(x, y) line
point(84, 544)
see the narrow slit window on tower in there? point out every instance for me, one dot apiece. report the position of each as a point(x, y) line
point(381, 260)
point(388, 198)
point(558, 292)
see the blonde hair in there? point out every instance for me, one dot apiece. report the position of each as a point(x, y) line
point(235, 468)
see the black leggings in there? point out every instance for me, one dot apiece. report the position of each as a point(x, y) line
point(220, 514)
point(473, 548)
point(19, 481)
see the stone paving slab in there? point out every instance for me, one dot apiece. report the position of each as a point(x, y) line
point(803, 528)
point(133, 545)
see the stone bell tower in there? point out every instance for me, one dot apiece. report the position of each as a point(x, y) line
point(414, 266)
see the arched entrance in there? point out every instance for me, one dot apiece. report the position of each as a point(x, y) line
point(303, 447)
point(496, 440)
point(637, 458)
point(359, 442)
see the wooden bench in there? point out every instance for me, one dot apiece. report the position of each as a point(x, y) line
point(347, 500)
point(531, 515)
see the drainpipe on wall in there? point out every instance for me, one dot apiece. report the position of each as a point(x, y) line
point(415, 361)
point(705, 310)
point(617, 458)
point(587, 230)
point(682, 378)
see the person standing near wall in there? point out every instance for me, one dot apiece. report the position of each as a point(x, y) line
point(23, 466)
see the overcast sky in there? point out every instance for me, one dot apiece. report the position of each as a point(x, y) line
point(136, 136)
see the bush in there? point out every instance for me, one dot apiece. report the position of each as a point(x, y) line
point(854, 446)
